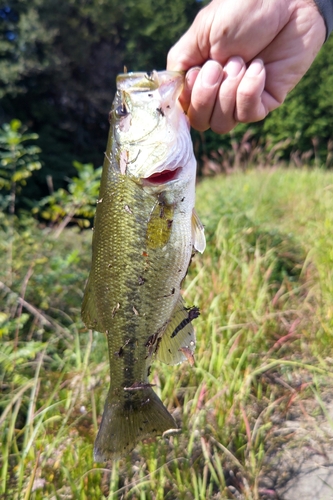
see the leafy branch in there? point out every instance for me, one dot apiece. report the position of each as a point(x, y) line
point(18, 160)
point(77, 203)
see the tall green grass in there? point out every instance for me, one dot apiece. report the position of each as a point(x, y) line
point(264, 287)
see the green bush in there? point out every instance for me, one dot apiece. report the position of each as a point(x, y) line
point(18, 161)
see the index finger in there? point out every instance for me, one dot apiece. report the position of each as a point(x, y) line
point(185, 96)
point(185, 54)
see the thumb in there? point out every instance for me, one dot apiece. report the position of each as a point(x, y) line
point(185, 53)
point(193, 48)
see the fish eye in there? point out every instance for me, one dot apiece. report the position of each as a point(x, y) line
point(121, 110)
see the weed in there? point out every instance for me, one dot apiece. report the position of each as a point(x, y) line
point(264, 287)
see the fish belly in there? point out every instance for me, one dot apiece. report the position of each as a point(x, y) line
point(141, 250)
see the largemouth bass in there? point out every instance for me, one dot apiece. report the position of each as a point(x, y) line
point(145, 231)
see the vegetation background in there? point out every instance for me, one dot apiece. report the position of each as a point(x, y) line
point(59, 61)
point(264, 284)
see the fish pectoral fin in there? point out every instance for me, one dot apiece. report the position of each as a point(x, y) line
point(125, 423)
point(178, 340)
point(89, 309)
point(198, 233)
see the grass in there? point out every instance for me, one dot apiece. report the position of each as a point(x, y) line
point(264, 287)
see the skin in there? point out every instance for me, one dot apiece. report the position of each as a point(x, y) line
point(243, 57)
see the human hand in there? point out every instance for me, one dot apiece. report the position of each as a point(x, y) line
point(251, 54)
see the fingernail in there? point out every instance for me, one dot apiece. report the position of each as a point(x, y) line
point(233, 67)
point(255, 68)
point(191, 76)
point(211, 74)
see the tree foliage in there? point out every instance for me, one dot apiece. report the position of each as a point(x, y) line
point(58, 65)
point(18, 161)
point(306, 116)
point(77, 203)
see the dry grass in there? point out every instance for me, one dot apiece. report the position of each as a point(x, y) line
point(264, 287)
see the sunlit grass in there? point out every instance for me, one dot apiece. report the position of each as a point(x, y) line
point(264, 288)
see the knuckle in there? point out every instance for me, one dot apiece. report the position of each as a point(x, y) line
point(222, 128)
point(250, 115)
point(200, 126)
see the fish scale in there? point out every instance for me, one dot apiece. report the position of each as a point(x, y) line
point(121, 258)
point(142, 245)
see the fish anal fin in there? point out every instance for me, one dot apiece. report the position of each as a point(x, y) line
point(125, 423)
point(177, 343)
point(198, 233)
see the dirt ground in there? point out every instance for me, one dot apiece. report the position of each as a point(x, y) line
point(299, 465)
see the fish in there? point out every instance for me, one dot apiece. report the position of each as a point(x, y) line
point(145, 233)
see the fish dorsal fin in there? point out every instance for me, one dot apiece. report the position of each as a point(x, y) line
point(178, 340)
point(198, 233)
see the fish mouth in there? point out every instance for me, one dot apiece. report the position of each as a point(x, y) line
point(162, 177)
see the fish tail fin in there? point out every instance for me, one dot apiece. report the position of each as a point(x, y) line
point(125, 423)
